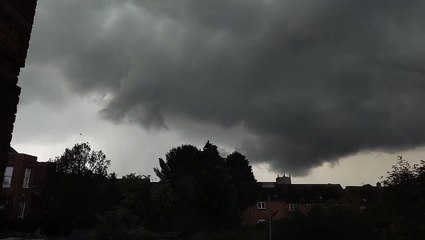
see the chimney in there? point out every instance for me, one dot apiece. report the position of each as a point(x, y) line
point(284, 179)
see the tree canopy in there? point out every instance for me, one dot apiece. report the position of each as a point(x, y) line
point(81, 160)
point(242, 178)
point(205, 185)
point(78, 190)
point(404, 205)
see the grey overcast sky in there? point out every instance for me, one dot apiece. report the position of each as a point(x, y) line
point(327, 90)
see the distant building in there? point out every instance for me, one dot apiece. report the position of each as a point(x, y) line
point(21, 188)
point(279, 199)
point(364, 196)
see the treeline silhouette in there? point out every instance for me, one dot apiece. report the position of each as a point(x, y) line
point(202, 195)
point(198, 191)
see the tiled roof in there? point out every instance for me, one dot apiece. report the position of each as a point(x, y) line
point(302, 193)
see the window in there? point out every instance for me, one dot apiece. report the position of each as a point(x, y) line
point(27, 177)
point(293, 207)
point(261, 221)
point(22, 210)
point(261, 205)
point(8, 172)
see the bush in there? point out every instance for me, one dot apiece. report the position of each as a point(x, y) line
point(121, 224)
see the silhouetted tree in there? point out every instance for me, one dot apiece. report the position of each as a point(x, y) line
point(134, 194)
point(151, 202)
point(123, 224)
point(81, 160)
point(242, 178)
point(163, 205)
point(78, 190)
point(218, 196)
point(202, 185)
point(403, 210)
point(120, 224)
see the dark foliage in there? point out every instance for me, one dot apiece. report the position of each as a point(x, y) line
point(161, 210)
point(204, 187)
point(201, 192)
point(81, 160)
point(404, 206)
point(325, 222)
point(121, 224)
point(134, 194)
point(150, 202)
point(242, 178)
point(78, 190)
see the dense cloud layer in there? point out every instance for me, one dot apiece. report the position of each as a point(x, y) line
point(308, 81)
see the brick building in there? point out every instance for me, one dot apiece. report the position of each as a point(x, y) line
point(22, 185)
point(278, 199)
point(16, 20)
point(364, 196)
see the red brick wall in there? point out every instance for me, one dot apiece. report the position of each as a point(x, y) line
point(17, 194)
point(278, 209)
point(251, 215)
point(16, 20)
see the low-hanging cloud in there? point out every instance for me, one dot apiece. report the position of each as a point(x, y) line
point(309, 81)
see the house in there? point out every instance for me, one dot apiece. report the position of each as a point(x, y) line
point(21, 189)
point(279, 199)
point(364, 196)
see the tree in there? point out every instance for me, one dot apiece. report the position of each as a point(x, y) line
point(202, 186)
point(134, 194)
point(119, 224)
point(79, 189)
point(404, 205)
point(163, 202)
point(242, 178)
point(81, 160)
point(122, 224)
point(217, 193)
point(151, 202)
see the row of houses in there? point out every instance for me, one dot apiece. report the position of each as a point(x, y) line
point(24, 177)
point(276, 200)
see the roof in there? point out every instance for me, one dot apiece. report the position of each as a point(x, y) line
point(364, 194)
point(302, 193)
point(12, 150)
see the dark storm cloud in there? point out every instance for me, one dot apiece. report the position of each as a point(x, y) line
point(312, 81)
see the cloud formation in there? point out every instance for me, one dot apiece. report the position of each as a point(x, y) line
point(308, 81)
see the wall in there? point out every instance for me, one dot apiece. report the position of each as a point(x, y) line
point(15, 194)
point(16, 20)
point(32, 194)
point(251, 215)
